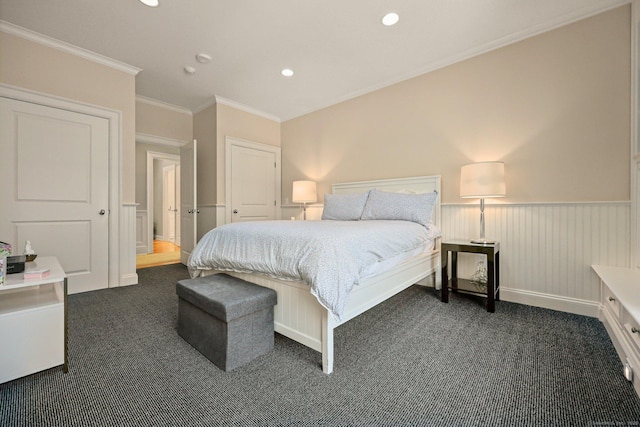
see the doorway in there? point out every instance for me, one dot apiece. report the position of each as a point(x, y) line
point(163, 206)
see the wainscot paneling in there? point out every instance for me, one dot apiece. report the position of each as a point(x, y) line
point(142, 239)
point(547, 249)
point(128, 275)
point(295, 211)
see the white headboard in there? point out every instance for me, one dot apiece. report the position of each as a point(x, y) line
point(416, 184)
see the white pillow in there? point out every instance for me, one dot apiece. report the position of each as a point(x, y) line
point(344, 207)
point(398, 206)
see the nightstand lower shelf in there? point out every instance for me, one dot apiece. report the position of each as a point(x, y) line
point(466, 286)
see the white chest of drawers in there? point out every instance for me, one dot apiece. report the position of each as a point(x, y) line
point(620, 314)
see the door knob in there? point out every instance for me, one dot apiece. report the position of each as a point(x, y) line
point(235, 211)
point(102, 212)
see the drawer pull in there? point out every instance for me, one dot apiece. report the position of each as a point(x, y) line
point(612, 299)
point(635, 330)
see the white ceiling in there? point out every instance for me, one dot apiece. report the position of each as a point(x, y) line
point(337, 48)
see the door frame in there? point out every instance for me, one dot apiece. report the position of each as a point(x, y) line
point(114, 118)
point(151, 156)
point(230, 142)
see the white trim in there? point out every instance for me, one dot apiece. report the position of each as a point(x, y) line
point(246, 108)
point(232, 141)
point(129, 279)
point(159, 140)
point(576, 15)
point(151, 156)
point(238, 106)
point(162, 104)
point(552, 302)
point(635, 135)
point(115, 149)
point(128, 275)
point(488, 203)
point(33, 36)
point(141, 232)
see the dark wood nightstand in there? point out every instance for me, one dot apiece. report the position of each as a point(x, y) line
point(492, 251)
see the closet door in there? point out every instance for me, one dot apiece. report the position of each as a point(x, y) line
point(54, 170)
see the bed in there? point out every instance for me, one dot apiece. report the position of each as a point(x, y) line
point(307, 317)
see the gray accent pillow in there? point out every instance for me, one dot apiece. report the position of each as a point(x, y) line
point(344, 207)
point(399, 206)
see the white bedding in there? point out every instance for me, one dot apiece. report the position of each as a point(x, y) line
point(330, 256)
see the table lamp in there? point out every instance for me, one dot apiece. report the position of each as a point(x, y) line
point(304, 192)
point(482, 180)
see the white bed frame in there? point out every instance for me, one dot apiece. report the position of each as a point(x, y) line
point(299, 316)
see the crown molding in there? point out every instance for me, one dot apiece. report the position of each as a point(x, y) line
point(24, 33)
point(217, 99)
point(159, 140)
point(246, 108)
point(165, 105)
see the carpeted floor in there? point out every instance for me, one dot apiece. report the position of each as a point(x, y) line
point(410, 361)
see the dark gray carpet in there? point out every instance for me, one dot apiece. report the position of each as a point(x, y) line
point(409, 361)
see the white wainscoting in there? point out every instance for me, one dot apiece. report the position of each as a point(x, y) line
point(142, 240)
point(547, 249)
point(313, 212)
point(128, 275)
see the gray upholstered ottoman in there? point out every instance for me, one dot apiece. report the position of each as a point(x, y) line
point(228, 320)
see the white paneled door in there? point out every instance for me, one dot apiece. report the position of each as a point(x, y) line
point(54, 173)
point(253, 183)
point(170, 202)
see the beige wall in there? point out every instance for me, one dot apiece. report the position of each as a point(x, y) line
point(169, 123)
point(555, 108)
point(162, 122)
point(204, 131)
point(47, 70)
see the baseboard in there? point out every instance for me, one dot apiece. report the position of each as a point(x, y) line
point(552, 302)
point(129, 279)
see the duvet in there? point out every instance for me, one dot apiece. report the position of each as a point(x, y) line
point(330, 256)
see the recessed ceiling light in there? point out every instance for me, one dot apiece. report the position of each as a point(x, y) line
point(189, 70)
point(390, 18)
point(203, 58)
point(150, 3)
point(287, 72)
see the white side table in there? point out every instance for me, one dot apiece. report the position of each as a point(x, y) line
point(33, 321)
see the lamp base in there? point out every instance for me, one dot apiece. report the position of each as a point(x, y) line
point(482, 241)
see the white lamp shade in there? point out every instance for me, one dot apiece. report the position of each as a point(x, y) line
point(304, 192)
point(484, 179)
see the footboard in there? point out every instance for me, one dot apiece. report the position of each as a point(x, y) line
point(299, 316)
